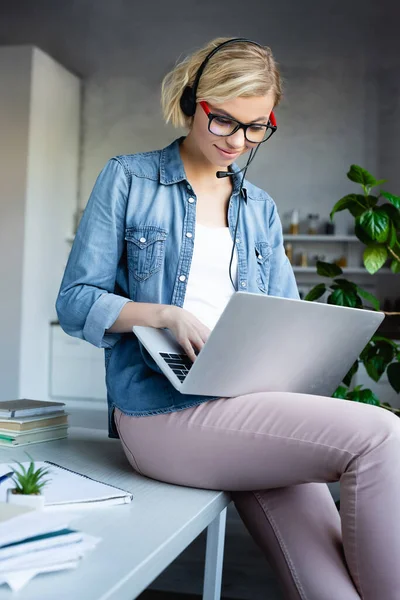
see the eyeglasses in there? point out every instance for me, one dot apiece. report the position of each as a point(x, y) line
point(222, 125)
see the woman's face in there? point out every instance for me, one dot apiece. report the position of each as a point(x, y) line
point(223, 151)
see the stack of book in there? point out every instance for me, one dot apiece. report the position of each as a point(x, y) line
point(26, 421)
point(33, 542)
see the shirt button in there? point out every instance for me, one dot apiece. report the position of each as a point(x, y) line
point(238, 240)
point(243, 283)
point(182, 278)
point(142, 240)
point(191, 200)
point(189, 235)
point(259, 256)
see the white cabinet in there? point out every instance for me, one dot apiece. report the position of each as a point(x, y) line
point(40, 133)
point(76, 367)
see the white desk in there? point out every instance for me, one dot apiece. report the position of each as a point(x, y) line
point(140, 539)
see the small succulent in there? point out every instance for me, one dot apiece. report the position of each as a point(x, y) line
point(29, 480)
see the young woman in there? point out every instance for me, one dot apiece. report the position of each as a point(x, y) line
point(154, 247)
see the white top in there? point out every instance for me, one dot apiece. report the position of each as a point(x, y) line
point(209, 286)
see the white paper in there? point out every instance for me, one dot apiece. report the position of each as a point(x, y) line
point(26, 547)
point(49, 556)
point(18, 579)
point(31, 524)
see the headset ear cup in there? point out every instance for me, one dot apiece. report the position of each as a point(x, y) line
point(188, 102)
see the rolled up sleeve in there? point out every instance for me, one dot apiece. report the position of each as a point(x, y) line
point(282, 281)
point(86, 303)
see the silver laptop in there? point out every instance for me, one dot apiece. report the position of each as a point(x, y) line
point(264, 343)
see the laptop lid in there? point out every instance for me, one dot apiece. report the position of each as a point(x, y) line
point(267, 343)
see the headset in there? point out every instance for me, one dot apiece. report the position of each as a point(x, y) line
point(188, 106)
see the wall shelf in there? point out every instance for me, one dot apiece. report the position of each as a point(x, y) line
point(353, 270)
point(305, 237)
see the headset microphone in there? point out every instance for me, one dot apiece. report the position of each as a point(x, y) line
point(221, 174)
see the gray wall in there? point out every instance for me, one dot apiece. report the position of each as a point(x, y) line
point(340, 61)
point(39, 125)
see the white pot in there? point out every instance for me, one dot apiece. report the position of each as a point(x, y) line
point(35, 501)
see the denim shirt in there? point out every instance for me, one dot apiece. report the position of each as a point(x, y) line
point(135, 243)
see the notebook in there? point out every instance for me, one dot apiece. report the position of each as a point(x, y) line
point(15, 438)
point(28, 423)
point(68, 488)
point(27, 408)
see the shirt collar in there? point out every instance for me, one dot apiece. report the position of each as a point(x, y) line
point(172, 169)
point(171, 165)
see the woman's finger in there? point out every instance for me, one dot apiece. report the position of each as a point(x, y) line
point(188, 348)
point(197, 342)
point(205, 334)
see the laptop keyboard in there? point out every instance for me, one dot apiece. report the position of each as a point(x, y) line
point(179, 363)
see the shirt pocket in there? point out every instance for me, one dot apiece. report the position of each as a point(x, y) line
point(145, 250)
point(263, 255)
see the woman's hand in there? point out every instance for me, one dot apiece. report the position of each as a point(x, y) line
point(189, 332)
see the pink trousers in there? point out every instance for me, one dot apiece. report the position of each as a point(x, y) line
point(275, 452)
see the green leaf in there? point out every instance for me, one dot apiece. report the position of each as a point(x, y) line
point(369, 297)
point(376, 224)
point(361, 234)
point(316, 292)
point(368, 351)
point(395, 266)
point(374, 258)
point(368, 397)
point(392, 237)
point(345, 284)
point(328, 269)
point(22, 471)
point(395, 200)
point(354, 395)
point(362, 176)
point(340, 392)
point(381, 338)
point(342, 298)
point(42, 472)
point(393, 214)
point(349, 376)
point(372, 201)
point(359, 302)
point(377, 356)
point(31, 469)
point(355, 203)
point(375, 367)
point(393, 374)
point(359, 205)
point(386, 350)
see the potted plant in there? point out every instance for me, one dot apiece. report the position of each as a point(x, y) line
point(377, 226)
point(29, 484)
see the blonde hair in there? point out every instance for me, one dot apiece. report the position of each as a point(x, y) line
point(239, 69)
